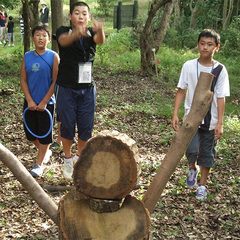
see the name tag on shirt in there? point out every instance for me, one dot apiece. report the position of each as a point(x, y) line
point(85, 72)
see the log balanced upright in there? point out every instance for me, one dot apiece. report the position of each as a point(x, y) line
point(101, 207)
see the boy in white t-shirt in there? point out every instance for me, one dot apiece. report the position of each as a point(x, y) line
point(201, 150)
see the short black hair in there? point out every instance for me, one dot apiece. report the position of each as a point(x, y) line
point(10, 18)
point(41, 28)
point(79, 4)
point(210, 33)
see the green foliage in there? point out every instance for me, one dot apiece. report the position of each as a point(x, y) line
point(120, 47)
point(105, 7)
point(231, 39)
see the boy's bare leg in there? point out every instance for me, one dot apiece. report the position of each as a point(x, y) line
point(81, 145)
point(42, 150)
point(67, 144)
point(204, 175)
point(193, 165)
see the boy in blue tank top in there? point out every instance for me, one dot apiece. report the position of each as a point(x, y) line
point(38, 76)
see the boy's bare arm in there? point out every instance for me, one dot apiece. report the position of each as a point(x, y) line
point(99, 37)
point(178, 101)
point(24, 85)
point(219, 126)
point(67, 39)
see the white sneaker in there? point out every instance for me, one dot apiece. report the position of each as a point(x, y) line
point(201, 192)
point(37, 171)
point(47, 156)
point(0, 42)
point(67, 170)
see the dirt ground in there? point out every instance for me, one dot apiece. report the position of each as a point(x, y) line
point(178, 215)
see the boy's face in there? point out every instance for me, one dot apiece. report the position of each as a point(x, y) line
point(80, 17)
point(40, 39)
point(207, 47)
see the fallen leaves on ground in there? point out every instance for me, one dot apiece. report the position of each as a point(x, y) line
point(178, 215)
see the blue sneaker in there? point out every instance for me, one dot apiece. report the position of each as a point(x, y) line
point(201, 192)
point(37, 171)
point(192, 177)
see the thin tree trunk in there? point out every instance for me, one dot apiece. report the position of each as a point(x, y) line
point(57, 20)
point(201, 103)
point(227, 13)
point(26, 26)
point(149, 34)
point(194, 11)
point(29, 183)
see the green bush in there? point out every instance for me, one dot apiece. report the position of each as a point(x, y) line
point(230, 39)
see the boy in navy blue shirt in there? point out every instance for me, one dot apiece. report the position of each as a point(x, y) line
point(75, 88)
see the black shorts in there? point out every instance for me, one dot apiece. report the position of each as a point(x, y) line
point(39, 123)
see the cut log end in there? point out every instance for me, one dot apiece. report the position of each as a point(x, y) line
point(79, 221)
point(107, 167)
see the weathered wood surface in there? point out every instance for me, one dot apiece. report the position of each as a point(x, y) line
point(108, 167)
point(200, 106)
point(79, 222)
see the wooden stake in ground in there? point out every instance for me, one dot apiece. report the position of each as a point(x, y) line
point(29, 183)
point(201, 103)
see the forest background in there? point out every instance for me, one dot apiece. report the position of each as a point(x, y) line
point(139, 102)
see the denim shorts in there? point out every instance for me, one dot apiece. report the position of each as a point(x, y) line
point(202, 148)
point(76, 106)
point(39, 123)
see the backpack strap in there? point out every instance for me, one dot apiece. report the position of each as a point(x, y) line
point(216, 72)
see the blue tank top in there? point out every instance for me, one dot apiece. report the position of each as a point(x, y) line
point(39, 74)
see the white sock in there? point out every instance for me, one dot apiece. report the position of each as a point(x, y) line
point(68, 160)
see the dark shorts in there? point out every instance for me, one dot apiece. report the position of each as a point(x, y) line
point(76, 106)
point(39, 123)
point(202, 148)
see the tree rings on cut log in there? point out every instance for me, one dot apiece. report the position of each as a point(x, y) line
point(108, 166)
point(78, 221)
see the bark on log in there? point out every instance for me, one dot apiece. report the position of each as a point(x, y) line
point(108, 167)
point(29, 183)
point(78, 221)
point(200, 106)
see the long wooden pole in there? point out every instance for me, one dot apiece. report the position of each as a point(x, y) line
point(29, 183)
point(200, 106)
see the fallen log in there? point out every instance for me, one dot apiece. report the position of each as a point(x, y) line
point(29, 183)
point(200, 106)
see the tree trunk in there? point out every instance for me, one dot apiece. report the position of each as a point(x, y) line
point(29, 183)
point(151, 38)
point(200, 106)
point(34, 13)
point(57, 20)
point(177, 15)
point(108, 166)
point(26, 26)
point(227, 13)
point(194, 15)
point(78, 221)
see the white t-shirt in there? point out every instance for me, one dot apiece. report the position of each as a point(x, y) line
point(189, 78)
